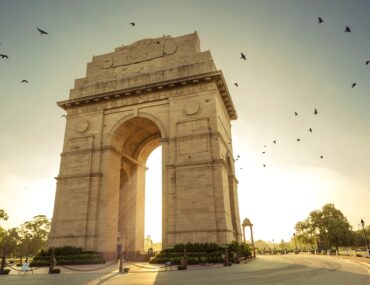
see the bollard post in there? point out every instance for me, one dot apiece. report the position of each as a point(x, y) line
point(3, 261)
point(227, 262)
point(185, 258)
point(120, 263)
point(52, 261)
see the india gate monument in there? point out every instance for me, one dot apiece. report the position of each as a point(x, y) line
point(160, 91)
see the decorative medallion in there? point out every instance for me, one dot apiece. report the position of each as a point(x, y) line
point(82, 126)
point(191, 108)
point(169, 47)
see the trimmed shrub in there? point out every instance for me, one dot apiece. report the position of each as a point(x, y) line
point(68, 255)
point(200, 253)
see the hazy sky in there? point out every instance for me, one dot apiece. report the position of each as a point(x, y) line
point(293, 64)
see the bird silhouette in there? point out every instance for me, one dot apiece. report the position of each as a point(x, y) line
point(236, 84)
point(320, 20)
point(367, 62)
point(347, 30)
point(295, 113)
point(243, 56)
point(263, 152)
point(238, 156)
point(24, 81)
point(4, 56)
point(65, 116)
point(310, 130)
point(264, 165)
point(241, 168)
point(265, 146)
point(315, 112)
point(321, 156)
point(42, 32)
point(353, 84)
point(298, 140)
point(274, 142)
point(132, 24)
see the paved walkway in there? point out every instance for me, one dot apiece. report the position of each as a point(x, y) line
point(277, 269)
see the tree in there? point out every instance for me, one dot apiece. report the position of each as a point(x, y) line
point(306, 234)
point(3, 215)
point(327, 227)
point(8, 240)
point(34, 235)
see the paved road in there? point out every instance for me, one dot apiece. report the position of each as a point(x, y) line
point(288, 269)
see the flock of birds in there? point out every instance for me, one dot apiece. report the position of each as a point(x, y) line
point(5, 56)
point(243, 56)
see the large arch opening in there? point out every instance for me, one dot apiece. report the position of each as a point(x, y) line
point(135, 139)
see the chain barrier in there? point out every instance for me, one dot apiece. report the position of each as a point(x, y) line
point(86, 270)
point(146, 267)
point(20, 270)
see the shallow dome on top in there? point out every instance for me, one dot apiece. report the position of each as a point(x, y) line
point(246, 223)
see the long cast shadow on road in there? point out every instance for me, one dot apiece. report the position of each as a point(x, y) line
point(280, 270)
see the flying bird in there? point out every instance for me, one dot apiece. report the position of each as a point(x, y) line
point(315, 112)
point(4, 56)
point(353, 84)
point(298, 140)
point(347, 30)
point(243, 56)
point(236, 84)
point(295, 113)
point(274, 142)
point(132, 24)
point(320, 20)
point(65, 116)
point(310, 130)
point(42, 32)
point(264, 165)
point(24, 81)
point(321, 156)
point(263, 152)
point(367, 62)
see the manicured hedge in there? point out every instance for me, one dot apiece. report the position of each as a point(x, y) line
point(68, 256)
point(200, 253)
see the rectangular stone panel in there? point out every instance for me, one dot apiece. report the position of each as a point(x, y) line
point(78, 162)
point(73, 195)
point(192, 146)
point(80, 143)
point(192, 127)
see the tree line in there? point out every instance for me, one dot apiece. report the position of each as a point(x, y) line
point(323, 229)
point(25, 240)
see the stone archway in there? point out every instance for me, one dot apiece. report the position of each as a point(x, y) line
point(135, 139)
point(155, 91)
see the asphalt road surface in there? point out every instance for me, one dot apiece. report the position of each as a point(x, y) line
point(285, 269)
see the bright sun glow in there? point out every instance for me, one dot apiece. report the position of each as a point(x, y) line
point(153, 196)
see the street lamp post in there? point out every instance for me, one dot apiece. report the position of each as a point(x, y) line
point(295, 242)
point(367, 245)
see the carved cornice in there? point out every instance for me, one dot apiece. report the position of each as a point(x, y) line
point(76, 176)
point(215, 76)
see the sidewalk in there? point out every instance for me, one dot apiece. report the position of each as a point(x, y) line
point(360, 260)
